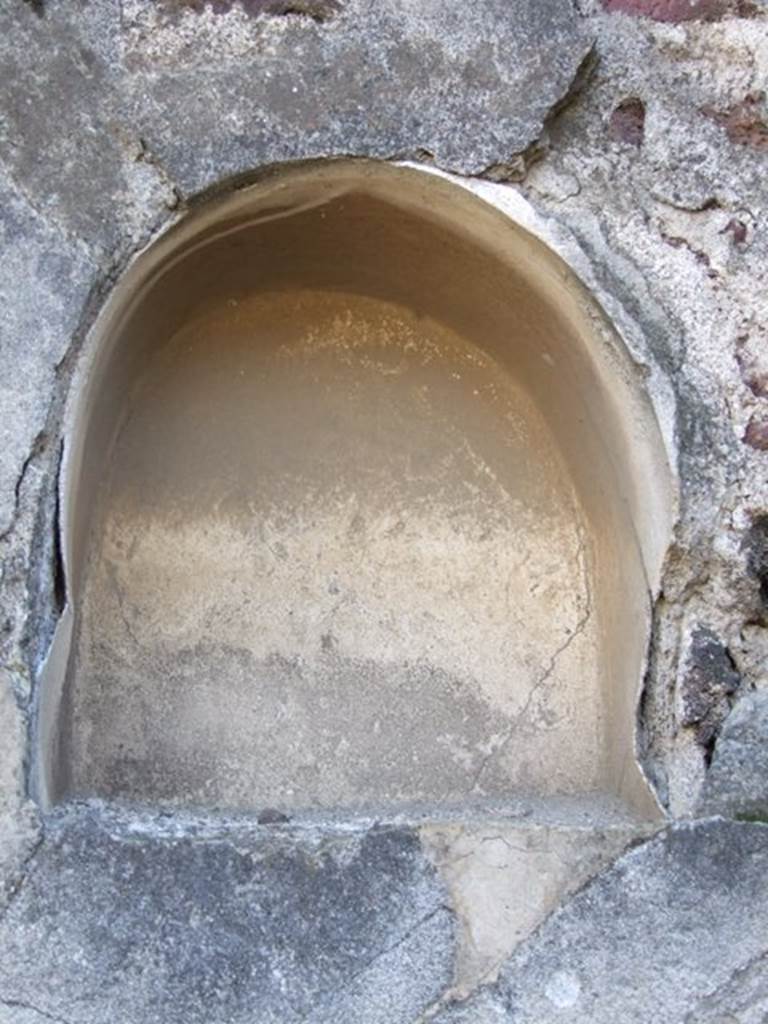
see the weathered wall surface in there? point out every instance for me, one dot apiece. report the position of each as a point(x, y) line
point(115, 116)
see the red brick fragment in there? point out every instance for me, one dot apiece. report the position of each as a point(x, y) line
point(756, 434)
point(757, 383)
point(745, 123)
point(682, 10)
point(737, 230)
point(754, 375)
point(627, 122)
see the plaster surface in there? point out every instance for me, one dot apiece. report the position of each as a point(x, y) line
point(505, 877)
point(337, 551)
point(636, 944)
point(334, 532)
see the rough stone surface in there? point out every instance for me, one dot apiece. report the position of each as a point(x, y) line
point(707, 687)
point(45, 279)
point(745, 122)
point(638, 943)
point(743, 999)
point(243, 86)
point(737, 783)
point(112, 111)
point(116, 923)
point(656, 217)
point(18, 831)
point(44, 283)
point(756, 550)
point(61, 96)
point(756, 433)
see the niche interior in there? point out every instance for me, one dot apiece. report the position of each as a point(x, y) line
point(361, 504)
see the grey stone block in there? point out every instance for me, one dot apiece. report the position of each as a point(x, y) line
point(45, 278)
point(267, 925)
point(737, 782)
point(65, 139)
point(462, 82)
point(659, 935)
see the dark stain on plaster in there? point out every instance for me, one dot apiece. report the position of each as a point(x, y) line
point(36, 6)
point(317, 10)
point(678, 242)
point(737, 229)
point(708, 685)
point(756, 434)
point(746, 122)
point(753, 369)
point(271, 816)
point(414, 704)
point(755, 546)
point(753, 372)
point(676, 11)
point(627, 123)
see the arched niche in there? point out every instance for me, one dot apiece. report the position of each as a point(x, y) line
point(361, 504)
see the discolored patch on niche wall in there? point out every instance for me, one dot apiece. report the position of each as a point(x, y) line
point(359, 513)
point(358, 524)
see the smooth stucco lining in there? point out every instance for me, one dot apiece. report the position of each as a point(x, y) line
point(424, 246)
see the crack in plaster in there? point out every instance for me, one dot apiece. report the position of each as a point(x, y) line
point(111, 271)
point(24, 871)
point(738, 975)
point(37, 448)
point(516, 166)
point(581, 625)
point(148, 158)
point(19, 1005)
point(457, 994)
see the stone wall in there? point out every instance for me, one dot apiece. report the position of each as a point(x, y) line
point(638, 134)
